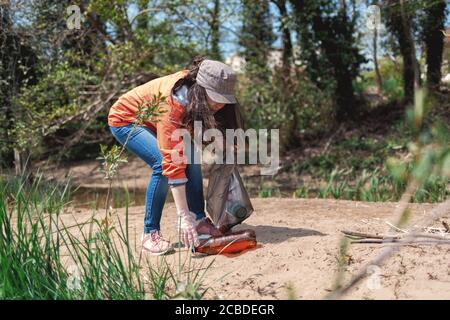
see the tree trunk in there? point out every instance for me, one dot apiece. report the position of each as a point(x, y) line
point(285, 37)
point(215, 31)
point(406, 23)
point(5, 73)
point(22, 161)
point(286, 67)
point(378, 79)
point(345, 100)
point(400, 25)
point(303, 15)
point(434, 41)
point(256, 38)
point(330, 53)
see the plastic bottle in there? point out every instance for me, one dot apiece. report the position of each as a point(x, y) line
point(233, 242)
point(236, 209)
point(233, 206)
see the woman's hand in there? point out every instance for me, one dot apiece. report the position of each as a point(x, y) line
point(185, 221)
point(186, 228)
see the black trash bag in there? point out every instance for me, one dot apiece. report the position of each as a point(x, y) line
point(227, 201)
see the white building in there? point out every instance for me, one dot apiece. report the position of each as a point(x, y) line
point(274, 59)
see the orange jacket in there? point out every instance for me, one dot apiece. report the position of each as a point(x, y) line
point(124, 110)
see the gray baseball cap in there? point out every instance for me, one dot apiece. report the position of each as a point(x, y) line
point(218, 79)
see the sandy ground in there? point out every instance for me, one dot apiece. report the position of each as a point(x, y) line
point(298, 245)
point(298, 250)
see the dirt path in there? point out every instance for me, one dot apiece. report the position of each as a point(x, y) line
point(134, 175)
point(298, 249)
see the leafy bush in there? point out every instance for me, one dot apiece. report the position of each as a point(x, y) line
point(296, 107)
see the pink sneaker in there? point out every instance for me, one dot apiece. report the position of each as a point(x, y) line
point(155, 244)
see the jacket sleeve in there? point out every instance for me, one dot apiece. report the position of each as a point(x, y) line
point(170, 142)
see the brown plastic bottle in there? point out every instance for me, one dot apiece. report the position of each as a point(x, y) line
point(232, 242)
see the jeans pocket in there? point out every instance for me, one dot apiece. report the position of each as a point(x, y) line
point(121, 133)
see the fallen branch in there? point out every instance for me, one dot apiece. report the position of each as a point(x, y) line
point(402, 242)
point(438, 212)
point(362, 235)
point(359, 237)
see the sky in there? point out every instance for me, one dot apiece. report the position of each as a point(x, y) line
point(229, 41)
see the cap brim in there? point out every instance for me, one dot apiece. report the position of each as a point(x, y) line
point(221, 98)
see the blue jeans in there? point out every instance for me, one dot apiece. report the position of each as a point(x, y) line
point(143, 143)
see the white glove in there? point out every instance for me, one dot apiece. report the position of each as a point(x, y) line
point(185, 221)
point(186, 227)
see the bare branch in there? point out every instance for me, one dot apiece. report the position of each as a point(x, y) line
point(439, 211)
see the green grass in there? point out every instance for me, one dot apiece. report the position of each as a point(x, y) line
point(268, 191)
point(42, 258)
point(356, 168)
point(373, 186)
